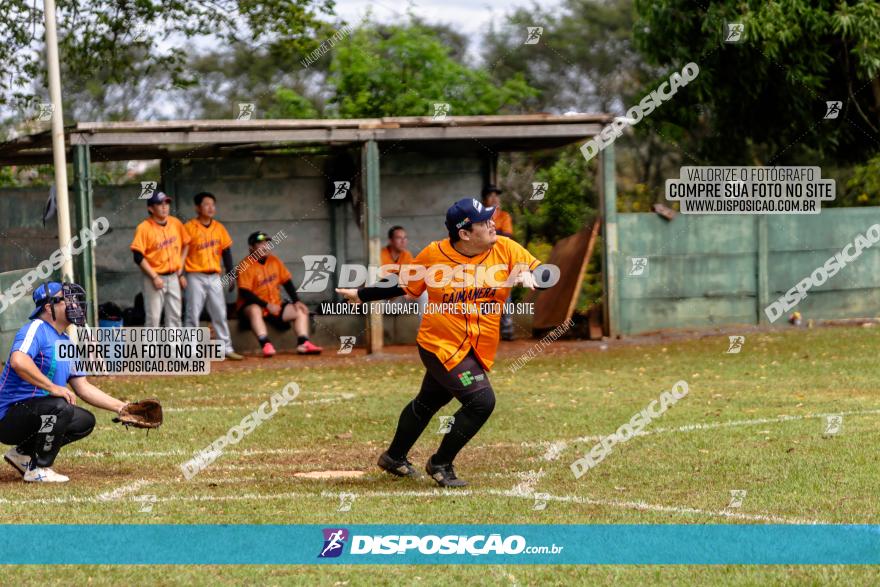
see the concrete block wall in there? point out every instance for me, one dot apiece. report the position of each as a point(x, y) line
point(704, 271)
point(25, 241)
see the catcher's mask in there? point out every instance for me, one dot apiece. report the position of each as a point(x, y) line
point(53, 292)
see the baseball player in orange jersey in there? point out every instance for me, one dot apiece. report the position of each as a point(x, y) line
point(259, 300)
point(159, 248)
point(503, 221)
point(393, 256)
point(395, 253)
point(210, 243)
point(456, 343)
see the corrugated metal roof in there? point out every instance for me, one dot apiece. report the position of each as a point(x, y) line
point(217, 138)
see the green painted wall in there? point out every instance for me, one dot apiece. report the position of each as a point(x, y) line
point(705, 270)
point(25, 242)
point(16, 315)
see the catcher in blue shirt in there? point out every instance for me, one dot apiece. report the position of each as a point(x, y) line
point(38, 413)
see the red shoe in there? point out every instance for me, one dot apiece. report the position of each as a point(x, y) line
point(307, 348)
point(268, 350)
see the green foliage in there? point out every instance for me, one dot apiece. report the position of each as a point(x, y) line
point(239, 73)
point(7, 177)
point(289, 104)
point(592, 287)
point(139, 37)
point(102, 173)
point(13, 176)
point(227, 74)
point(762, 100)
point(634, 199)
point(405, 70)
point(570, 204)
point(863, 187)
point(859, 26)
point(585, 59)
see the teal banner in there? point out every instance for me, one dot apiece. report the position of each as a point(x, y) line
point(441, 544)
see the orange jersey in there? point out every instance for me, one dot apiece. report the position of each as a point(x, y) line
point(206, 247)
point(405, 258)
point(263, 280)
point(161, 245)
point(503, 221)
point(476, 321)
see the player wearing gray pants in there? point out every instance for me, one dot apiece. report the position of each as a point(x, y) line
point(205, 290)
point(210, 244)
point(159, 248)
point(167, 298)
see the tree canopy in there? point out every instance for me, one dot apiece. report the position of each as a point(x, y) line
point(136, 38)
point(763, 100)
point(403, 70)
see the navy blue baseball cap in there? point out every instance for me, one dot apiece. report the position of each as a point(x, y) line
point(43, 294)
point(158, 198)
point(465, 212)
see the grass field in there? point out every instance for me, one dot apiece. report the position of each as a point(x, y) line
point(753, 421)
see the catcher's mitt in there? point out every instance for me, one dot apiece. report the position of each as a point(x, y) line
point(146, 413)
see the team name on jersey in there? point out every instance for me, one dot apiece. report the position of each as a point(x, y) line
point(166, 243)
point(208, 244)
point(469, 295)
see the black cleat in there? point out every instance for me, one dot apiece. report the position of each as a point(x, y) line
point(398, 468)
point(444, 475)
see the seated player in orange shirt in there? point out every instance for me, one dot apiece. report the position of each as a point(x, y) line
point(259, 298)
point(456, 344)
point(394, 254)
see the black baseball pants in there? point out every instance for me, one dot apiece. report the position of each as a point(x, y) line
point(39, 427)
point(468, 383)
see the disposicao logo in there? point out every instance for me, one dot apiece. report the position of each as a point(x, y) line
point(432, 544)
point(334, 541)
point(335, 538)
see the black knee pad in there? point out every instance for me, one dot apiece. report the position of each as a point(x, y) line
point(83, 422)
point(56, 405)
point(480, 402)
point(425, 407)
